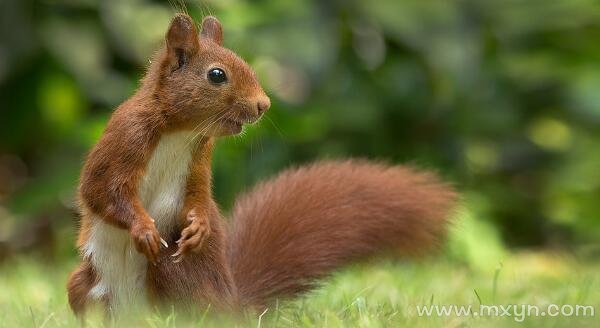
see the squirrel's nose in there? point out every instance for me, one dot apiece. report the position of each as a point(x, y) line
point(262, 104)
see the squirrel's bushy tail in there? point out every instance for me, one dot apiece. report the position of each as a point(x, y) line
point(300, 226)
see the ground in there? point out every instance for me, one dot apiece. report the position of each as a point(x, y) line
point(380, 294)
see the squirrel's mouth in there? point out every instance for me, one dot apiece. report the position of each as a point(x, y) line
point(234, 126)
point(234, 123)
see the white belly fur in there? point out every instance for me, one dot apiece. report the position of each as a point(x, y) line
point(122, 270)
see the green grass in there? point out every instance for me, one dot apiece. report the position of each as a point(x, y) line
point(382, 294)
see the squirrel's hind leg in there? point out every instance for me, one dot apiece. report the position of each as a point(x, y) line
point(80, 283)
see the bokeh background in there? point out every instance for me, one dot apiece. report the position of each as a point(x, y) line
point(500, 97)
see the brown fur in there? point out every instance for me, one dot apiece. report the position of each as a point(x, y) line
point(285, 235)
point(201, 278)
point(307, 222)
point(79, 284)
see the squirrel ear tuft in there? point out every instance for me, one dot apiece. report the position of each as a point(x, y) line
point(211, 29)
point(182, 39)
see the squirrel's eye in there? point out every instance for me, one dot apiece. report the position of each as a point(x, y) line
point(217, 76)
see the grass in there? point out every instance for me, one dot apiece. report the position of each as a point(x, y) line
point(382, 294)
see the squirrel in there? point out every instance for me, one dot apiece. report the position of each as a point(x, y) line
point(151, 233)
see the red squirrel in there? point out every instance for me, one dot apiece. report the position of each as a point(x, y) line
point(151, 232)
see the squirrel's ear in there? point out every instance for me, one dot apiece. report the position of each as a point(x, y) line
point(182, 39)
point(211, 29)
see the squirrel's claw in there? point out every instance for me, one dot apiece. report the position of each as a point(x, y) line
point(192, 238)
point(150, 249)
point(146, 239)
point(178, 256)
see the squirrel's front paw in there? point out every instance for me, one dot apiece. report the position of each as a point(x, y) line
point(193, 236)
point(146, 238)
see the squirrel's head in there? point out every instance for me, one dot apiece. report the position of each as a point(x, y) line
point(202, 85)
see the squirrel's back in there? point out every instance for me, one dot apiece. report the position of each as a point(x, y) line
point(300, 226)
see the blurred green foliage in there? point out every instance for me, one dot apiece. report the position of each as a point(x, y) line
point(500, 97)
